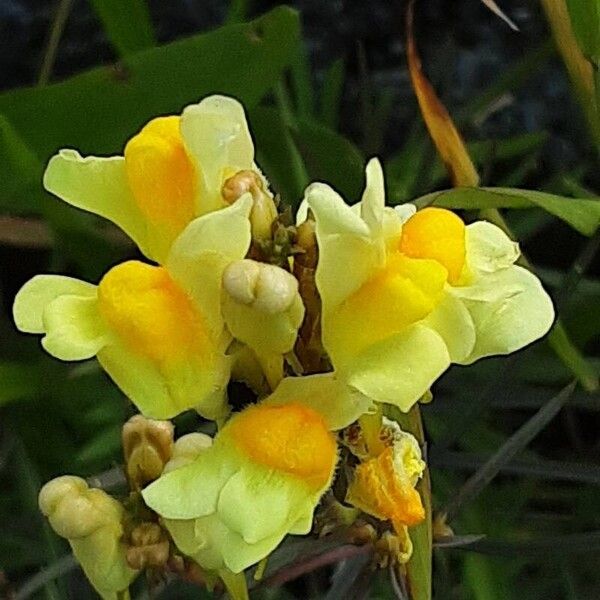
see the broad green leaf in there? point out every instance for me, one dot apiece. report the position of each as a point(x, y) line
point(585, 20)
point(20, 183)
point(326, 155)
point(277, 154)
point(330, 157)
point(581, 214)
point(97, 111)
point(127, 24)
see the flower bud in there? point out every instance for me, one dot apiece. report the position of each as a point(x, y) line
point(265, 287)
point(147, 446)
point(74, 510)
point(149, 547)
point(264, 211)
point(92, 523)
point(186, 450)
point(393, 548)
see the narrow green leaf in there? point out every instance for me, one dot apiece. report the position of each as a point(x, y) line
point(127, 24)
point(585, 20)
point(331, 93)
point(513, 445)
point(570, 355)
point(302, 84)
point(553, 470)
point(581, 214)
point(540, 550)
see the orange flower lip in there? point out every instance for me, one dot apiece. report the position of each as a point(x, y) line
point(161, 175)
point(151, 313)
point(292, 438)
point(437, 234)
point(380, 490)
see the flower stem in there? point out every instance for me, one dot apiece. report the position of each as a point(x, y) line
point(370, 425)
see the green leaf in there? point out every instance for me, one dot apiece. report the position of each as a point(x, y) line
point(331, 93)
point(330, 157)
point(20, 182)
point(277, 154)
point(585, 19)
point(571, 356)
point(581, 214)
point(18, 381)
point(127, 24)
point(509, 449)
point(97, 111)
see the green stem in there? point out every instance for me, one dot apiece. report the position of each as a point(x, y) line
point(418, 568)
point(370, 425)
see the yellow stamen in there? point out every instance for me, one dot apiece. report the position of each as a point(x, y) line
point(381, 490)
point(151, 314)
point(291, 438)
point(161, 175)
point(437, 234)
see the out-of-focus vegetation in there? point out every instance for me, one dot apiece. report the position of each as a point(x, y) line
point(526, 523)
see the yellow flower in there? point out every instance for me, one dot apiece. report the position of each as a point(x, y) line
point(174, 170)
point(260, 480)
point(229, 505)
point(157, 331)
point(92, 523)
point(404, 300)
point(384, 485)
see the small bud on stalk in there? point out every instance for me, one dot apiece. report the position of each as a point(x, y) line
point(147, 447)
point(264, 211)
point(149, 547)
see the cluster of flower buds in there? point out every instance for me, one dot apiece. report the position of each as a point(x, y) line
point(353, 308)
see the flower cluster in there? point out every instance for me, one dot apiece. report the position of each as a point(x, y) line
point(328, 321)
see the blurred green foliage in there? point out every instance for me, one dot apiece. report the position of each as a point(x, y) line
point(540, 515)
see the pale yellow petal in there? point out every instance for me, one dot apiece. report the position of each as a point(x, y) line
point(74, 329)
point(510, 309)
point(162, 393)
point(373, 198)
point(193, 490)
point(201, 253)
point(454, 324)
point(99, 185)
point(489, 249)
point(332, 214)
point(216, 135)
point(400, 369)
point(272, 496)
point(33, 298)
point(325, 393)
